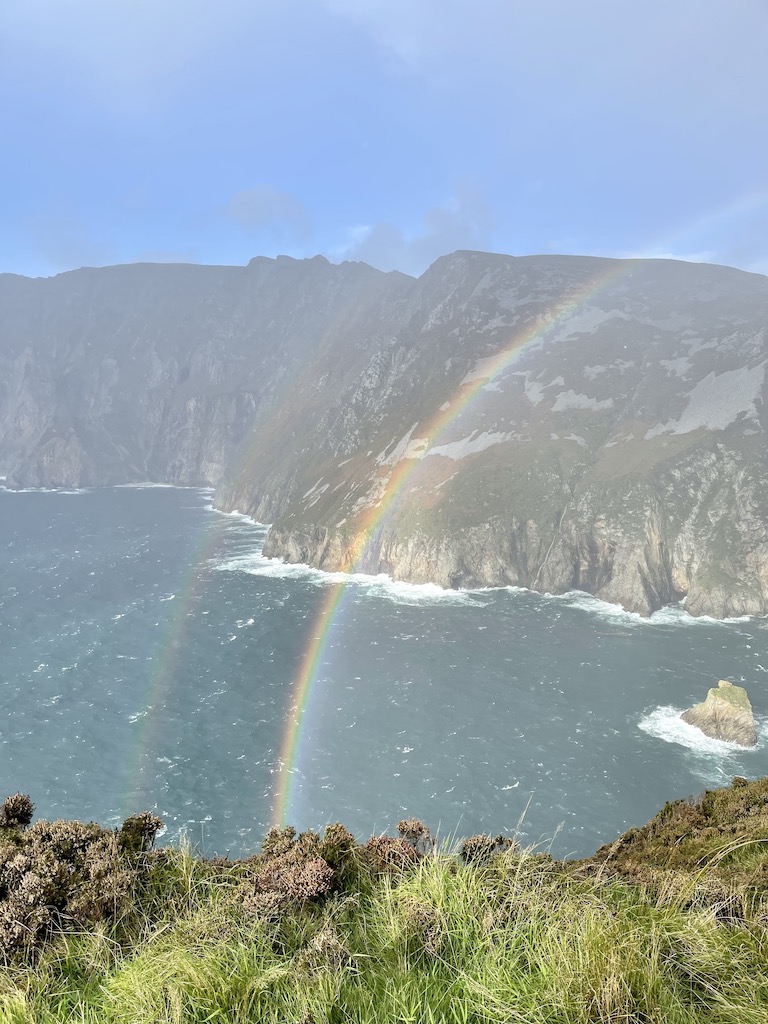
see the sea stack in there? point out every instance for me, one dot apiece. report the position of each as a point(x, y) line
point(726, 714)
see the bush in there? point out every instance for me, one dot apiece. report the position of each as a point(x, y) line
point(64, 873)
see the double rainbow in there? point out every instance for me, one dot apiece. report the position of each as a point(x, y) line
point(429, 433)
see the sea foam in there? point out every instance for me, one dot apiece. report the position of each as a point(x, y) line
point(669, 615)
point(46, 490)
point(398, 591)
point(665, 723)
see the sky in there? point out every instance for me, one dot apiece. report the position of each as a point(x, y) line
point(389, 131)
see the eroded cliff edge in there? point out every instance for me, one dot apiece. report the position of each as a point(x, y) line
point(552, 422)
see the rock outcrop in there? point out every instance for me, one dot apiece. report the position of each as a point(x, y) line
point(726, 714)
point(551, 422)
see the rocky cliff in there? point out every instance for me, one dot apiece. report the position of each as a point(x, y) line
point(159, 372)
point(553, 422)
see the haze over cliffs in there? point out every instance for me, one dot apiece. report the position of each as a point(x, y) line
point(552, 422)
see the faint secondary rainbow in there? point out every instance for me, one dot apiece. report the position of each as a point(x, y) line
point(429, 433)
point(163, 668)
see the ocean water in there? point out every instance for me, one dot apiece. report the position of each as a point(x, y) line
point(149, 654)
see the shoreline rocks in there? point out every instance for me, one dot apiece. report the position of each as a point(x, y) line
point(726, 714)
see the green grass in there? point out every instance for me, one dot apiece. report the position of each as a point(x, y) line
point(516, 941)
point(515, 937)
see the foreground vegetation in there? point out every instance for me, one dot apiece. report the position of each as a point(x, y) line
point(668, 924)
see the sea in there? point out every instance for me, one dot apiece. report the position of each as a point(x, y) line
point(152, 658)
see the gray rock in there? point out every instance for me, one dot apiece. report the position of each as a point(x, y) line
point(726, 714)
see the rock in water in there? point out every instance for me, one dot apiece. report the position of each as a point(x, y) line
point(726, 714)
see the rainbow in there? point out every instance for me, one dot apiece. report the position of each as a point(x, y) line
point(164, 667)
point(429, 434)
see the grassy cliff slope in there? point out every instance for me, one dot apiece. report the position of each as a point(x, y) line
point(667, 924)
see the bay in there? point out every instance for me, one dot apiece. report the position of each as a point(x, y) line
point(150, 657)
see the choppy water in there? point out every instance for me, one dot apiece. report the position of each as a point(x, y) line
point(149, 650)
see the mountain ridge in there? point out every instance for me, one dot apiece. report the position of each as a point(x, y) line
point(554, 422)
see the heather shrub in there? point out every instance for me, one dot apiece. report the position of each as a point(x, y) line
point(137, 834)
point(417, 834)
point(385, 855)
point(63, 874)
point(481, 848)
point(289, 871)
point(16, 811)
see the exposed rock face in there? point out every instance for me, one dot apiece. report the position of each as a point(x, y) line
point(553, 422)
point(726, 714)
point(159, 372)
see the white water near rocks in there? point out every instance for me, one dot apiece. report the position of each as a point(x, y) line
point(149, 652)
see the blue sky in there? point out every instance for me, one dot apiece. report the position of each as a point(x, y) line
point(390, 131)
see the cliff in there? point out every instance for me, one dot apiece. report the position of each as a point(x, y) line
point(159, 372)
point(552, 422)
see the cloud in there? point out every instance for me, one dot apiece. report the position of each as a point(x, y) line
point(687, 65)
point(463, 222)
point(126, 54)
point(263, 210)
point(400, 27)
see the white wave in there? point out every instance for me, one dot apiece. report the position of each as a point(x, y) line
point(665, 723)
point(47, 490)
point(235, 514)
point(144, 485)
point(255, 564)
point(670, 615)
point(398, 591)
point(676, 615)
point(401, 592)
point(604, 609)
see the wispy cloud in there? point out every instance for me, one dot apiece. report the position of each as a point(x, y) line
point(264, 210)
point(464, 221)
point(124, 53)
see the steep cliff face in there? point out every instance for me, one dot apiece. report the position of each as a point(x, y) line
point(158, 372)
point(603, 428)
point(549, 422)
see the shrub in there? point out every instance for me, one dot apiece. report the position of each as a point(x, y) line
point(64, 873)
point(16, 811)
